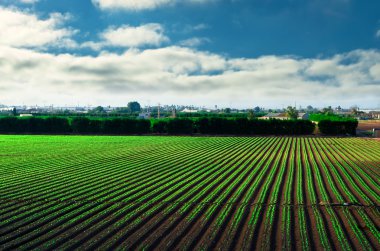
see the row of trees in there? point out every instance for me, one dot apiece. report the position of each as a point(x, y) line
point(132, 107)
point(334, 127)
point(261, 127)
point(210, 126)
point(79, 125)
point(214, 126)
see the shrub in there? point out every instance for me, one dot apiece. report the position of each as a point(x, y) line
point(330, 127)
point(160, 126)
point(85, 125)
point(180, 126)
point(9, 124)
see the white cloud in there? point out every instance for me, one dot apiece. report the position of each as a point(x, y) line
point(29, 1)
point(138, 5)
point(201, 27)
point(96, 46)
point(177, 75)
point(130, 4)
point(194, 42)
point(378, 34)
point(354, 68)
point(128, 36)
point(22, 29)
point(375, 72)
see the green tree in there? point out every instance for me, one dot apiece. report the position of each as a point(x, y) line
point(122, 110)
point(134, 106)
point(257, 109)
point(292, 112)
point(98, 109)
point(328, 110)
point(354, 110)
point(309, 108)
point(251, 115)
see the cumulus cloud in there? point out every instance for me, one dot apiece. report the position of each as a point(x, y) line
point(22, 29)
point(128, 36)
point(375, 72)
point(138, 5)
point(178, 75)
point(194, 42)
point(356, 68)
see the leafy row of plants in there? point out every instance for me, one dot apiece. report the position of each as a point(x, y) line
point(228, 197)
point(321, 228)
point(301, 177)
point(275, 196)
point(244, 194)
point(359, 170)
point(323, 158)
point(257, 212)
point(215, 215)
point(338, 230)
point(236, 191)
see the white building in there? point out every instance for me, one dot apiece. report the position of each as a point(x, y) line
point(281, 116)
point(189, 110)
point(144, 115)
point(303, 115)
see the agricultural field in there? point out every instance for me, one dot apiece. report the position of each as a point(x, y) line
point(365, 127)
point(165, 193)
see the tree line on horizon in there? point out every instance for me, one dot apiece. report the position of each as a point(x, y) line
point(174, 126)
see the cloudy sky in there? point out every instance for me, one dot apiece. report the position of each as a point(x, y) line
point(230, 53)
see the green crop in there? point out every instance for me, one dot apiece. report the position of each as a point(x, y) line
point(202, 193)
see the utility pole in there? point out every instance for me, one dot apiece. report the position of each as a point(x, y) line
point(158, 111)
point(174, 113)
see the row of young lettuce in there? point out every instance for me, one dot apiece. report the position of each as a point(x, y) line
point(210, 126)
point(190, 193)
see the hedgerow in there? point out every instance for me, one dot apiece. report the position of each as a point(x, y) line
point(126, 126)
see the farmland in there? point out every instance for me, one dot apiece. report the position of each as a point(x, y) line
point(87, 192)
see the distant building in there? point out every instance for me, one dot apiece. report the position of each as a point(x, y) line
point(189, 110)
point(281, 116)
point(374, 115)
point(6, 109)
point(376, 132)
point(144, 115)
point(303, 115)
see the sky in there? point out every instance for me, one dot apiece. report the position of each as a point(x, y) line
point(230, 53)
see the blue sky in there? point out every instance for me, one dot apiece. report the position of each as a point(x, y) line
point(239, 53)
